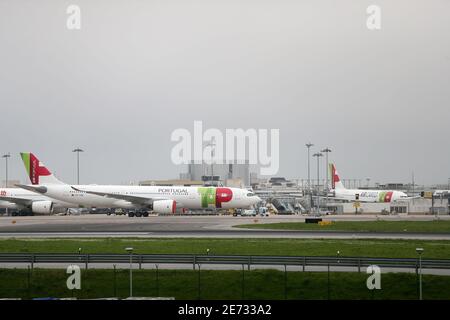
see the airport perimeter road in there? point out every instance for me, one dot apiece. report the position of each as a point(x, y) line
point(188, 226)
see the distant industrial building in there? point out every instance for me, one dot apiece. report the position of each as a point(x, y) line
point(174, 182)
point(412, 206)
point(219, 173)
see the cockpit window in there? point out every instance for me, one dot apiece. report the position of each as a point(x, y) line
point(250, 194)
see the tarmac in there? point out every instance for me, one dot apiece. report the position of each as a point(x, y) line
point(99, 225)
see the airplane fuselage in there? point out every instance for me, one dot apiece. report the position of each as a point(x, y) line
point(185, 197)
point(369, 195)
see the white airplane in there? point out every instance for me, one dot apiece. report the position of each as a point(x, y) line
point(19, 199)
point(341, 193)
point(438, 193)
point(156, 198)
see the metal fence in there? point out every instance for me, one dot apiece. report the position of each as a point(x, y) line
point(192, 259)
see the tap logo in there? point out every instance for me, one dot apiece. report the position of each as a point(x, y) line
point(223, 195)
point(214, 197)
point(385, 196)
point(3, 193)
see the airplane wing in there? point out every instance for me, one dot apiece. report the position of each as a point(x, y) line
point(37, 189)
point(343, 199)
point(20, 201)
point(408, 198)
point(141, 201)
point(328, 197)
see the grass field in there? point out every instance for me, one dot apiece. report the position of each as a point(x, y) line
point(189, 284)
point(290, 247)
point(437, 226)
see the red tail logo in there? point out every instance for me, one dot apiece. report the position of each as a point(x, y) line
point(36, 170)
point(334, 177)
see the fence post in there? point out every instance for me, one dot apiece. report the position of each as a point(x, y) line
point(29, 282)
point(249, 261)
point(193, 263)
point(417, 280)
point(140, 262)
point(86, 261)
point(304, 263)
point(328, 282)
point(32, 261)
point(359, 265)
point(157, 281)
point(115, 281)
point(285, 282)
point(199, 284)
point(243, 281)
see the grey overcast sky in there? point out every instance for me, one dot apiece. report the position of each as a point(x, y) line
point(137, 70)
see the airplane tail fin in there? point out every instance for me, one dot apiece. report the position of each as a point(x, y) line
point(36, 170)
point(335, 180)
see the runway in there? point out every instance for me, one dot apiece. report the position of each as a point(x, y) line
point(88, 226)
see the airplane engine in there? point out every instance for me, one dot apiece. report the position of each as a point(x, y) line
point(42, 207)
point(164, 206)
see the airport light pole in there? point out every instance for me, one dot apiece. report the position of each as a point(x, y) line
point(309, 145)
point(419, 252)
point(318, 155)
point(326, 151)
point(78, 150)
point(6, 157)
point(130, 251)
